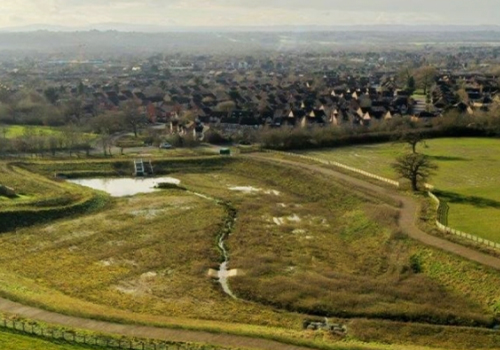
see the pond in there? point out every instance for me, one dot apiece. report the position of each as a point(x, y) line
point(121, 187)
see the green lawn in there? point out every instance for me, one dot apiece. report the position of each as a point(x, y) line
point(468, 172)
point(14, 341)
point(13, 131)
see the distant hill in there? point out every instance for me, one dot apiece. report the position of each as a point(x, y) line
point(108, 40)
point(146, 28)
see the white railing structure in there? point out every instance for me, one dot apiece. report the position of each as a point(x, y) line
point(340, 165)
point(429, 187)
point(449, 230)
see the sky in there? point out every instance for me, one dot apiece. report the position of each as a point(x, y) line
point(186, 13)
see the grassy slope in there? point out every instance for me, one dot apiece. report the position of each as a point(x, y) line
point(35, 191)
point(350, 250)
point(468, 170)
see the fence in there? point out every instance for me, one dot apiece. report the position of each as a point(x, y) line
point(106, 342)
point(442, 209)
point(342, 166)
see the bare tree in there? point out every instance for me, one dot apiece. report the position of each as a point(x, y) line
point(412, 138)
point(105, 125)
point(414, 167)
point(53, 143)
point(71, 136)
point(132, 117)
point(425, 77)
point(73, 110)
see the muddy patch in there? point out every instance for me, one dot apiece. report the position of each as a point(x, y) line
point(140, 286)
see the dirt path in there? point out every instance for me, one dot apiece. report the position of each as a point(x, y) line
point(407, 221)
point(407, 224)
point(177, 335)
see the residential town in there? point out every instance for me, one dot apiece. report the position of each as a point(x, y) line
point(228, 175)
point(190, 93)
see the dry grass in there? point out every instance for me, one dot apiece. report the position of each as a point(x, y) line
point(305, 246)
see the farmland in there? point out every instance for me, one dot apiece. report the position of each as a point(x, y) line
point(467, 176)
point(303, 248)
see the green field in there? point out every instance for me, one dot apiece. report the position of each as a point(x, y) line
point(469, 169)
point(303, 248)
point(14, 341)
point(13, 131)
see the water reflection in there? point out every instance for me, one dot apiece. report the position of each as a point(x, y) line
point(120, 187)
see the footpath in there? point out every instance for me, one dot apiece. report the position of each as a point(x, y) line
point(407, 223)
point(408, 212)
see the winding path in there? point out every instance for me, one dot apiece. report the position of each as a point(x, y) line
point(406, 222)
point(408, 212)
point(176, 335)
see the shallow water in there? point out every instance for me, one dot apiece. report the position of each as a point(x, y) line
point(223, 273)
point(121, 187)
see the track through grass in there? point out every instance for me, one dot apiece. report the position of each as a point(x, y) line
point(469, 169)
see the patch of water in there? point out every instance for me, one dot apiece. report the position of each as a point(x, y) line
point(223, 273)
point(121, 187)
point(250, 190)
point(278, 221)
point(245, 189)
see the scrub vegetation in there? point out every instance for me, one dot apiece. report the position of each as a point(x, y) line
point(302, 247)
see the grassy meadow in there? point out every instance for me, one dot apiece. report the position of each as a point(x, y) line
point(13, 131)
point(467, 177)
point(303, 247)
point(14, 341)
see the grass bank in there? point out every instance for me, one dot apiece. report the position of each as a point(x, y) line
point(467, 176)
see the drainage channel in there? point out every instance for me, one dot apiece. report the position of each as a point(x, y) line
point(226, 230)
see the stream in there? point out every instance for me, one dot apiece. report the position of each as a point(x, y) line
point(223, 272)
point(120, 187)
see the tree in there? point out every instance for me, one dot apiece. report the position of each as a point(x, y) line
point(131, 117)
point(105, 125)
point(73, 110)
point(71, 136)
point(425, 77)
point(412, 139)
point(226, 106)
point(81, 88)
point(411, 85)
point(414, 167)
point(51, 94)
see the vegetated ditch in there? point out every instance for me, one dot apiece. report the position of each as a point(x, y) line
point(224, 232)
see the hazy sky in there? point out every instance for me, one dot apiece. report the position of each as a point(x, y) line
point(248, 12)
